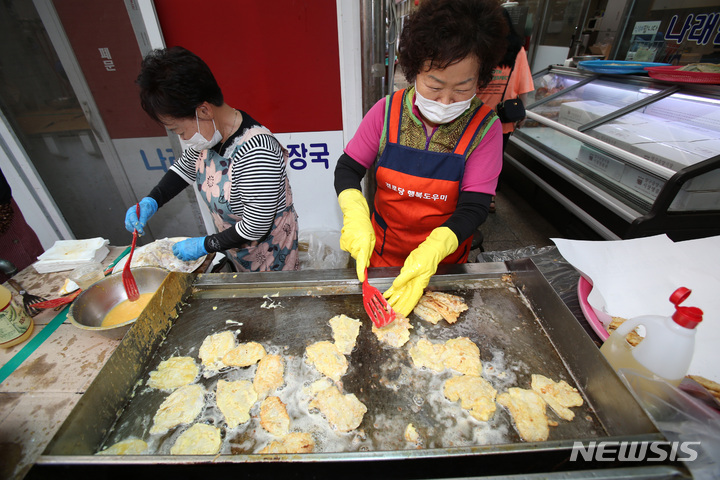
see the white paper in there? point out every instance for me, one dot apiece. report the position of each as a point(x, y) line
point(636, 277)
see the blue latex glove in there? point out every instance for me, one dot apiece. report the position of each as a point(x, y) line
point(190, 249)
point(148, 207)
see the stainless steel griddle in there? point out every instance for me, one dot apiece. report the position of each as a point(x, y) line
point(518, 322)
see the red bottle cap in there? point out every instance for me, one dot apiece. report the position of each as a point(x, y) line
point(687, 317)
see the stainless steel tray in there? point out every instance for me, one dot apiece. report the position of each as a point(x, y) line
point(519, 324)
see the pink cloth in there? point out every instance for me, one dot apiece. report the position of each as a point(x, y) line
point(482, 167)
point(520, 82)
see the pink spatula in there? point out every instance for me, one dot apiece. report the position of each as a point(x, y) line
point(128, 280)
point(375, 305)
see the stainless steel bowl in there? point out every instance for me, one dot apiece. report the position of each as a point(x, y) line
point(92, 305)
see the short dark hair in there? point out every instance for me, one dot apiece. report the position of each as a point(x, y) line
point(446, 31)
point(174, 82)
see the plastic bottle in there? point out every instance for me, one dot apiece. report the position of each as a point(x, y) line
point(15, 325)
point(667, 349)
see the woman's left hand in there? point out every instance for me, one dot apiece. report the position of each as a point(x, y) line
point(190, 249)
point(420, 265)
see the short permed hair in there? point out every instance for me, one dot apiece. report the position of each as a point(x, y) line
point(447, 31)
point(174, 82)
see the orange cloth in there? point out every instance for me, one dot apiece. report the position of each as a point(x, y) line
point(520, 82)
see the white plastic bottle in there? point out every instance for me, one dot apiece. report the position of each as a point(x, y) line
point(667, 349)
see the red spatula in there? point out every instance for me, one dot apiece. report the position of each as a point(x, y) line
point(375, 305)
point(128, 280)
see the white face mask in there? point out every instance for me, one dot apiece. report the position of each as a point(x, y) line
point(198, 142)
point(437, 112)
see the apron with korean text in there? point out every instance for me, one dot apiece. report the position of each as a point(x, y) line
point(276, 250)
point(417, 190)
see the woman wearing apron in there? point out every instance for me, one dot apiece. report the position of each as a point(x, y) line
point(436, 150)
point(236, 164)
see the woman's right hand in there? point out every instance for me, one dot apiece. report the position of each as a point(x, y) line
point(357, 236)
point(148, 207)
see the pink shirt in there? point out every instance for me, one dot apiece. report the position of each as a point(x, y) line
point(482, 167)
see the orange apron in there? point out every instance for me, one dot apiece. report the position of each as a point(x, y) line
point(417, 190)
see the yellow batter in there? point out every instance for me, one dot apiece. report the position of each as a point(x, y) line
point(296, 442)
point(235, 399)
point(328, 360)
point(126, 310)
point(200, 439)
point(182, 406)
point(173, 373)
point(475, 394)
point(214, 348)
point(343, 412)
point(345, 332)
point(130, 446)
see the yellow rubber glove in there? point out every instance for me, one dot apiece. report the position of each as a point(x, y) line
point(357, 236)
point(420, 265)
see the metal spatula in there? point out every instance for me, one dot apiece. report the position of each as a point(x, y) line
point(128, 280)
point(375, 305)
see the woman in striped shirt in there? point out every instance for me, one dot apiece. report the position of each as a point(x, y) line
point(236, 164)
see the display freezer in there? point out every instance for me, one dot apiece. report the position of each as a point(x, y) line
point(629, 155)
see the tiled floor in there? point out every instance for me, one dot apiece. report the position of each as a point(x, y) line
point(514, 225)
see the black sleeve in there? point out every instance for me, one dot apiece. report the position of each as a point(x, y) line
point(5, 190)
point(471, 212)
point(348, 174)
point(224, 240)
point(169, 185)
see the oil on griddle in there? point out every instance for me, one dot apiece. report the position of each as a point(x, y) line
point(512, 347)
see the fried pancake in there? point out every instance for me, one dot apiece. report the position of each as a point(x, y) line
point(235, 399)
point(327, 359)
point(559, 395)
point(200, 439)
point(462, 355)
point(181, 407)
point(244, 355)
point(475, 394)
point(269, 375)
point(173, 373)
point(527, 409)
point(274, 417)
point(343, 412)
point(428, 354)
point(436, 305)
point(296, 442)
point(129, 446)
point(345, 332)
point(214, 348)
point(396, 334)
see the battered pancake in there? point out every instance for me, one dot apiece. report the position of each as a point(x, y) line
point(235, 399)
point(475, 394)
point(214, 348)
point(129, 446)
point(200, 439)
point(181, 407)
point(328, 360)
point(436, 305)
point(396, 334)
point(559, 395)
point(462, 355)
point(343, 412)
point(274, 417)
point(428, 354)
point(411, 435)
point(345, 332)
point(269, 375)
point(244, 355)
point(173, 373)
point(527, 409)
point(296, 442)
